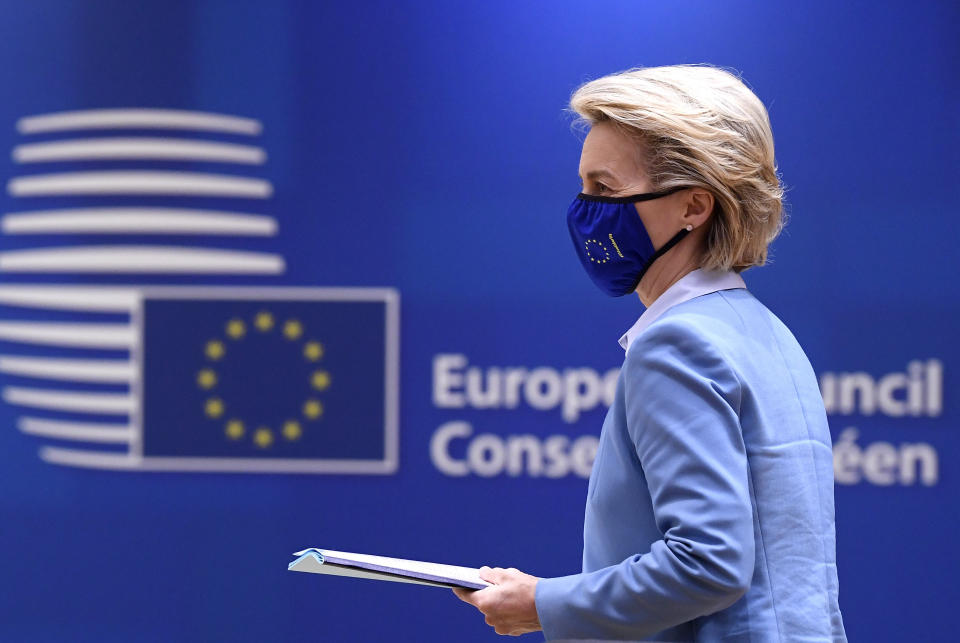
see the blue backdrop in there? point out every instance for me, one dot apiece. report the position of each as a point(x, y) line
point(423, 148)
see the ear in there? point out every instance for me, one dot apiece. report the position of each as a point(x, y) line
point(699, 207)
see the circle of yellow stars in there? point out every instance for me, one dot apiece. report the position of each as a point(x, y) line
point(606, 253)
point(215, 408)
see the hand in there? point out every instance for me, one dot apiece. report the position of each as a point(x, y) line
point(509, 603)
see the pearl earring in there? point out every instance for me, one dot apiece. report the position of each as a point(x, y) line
point(689, 228)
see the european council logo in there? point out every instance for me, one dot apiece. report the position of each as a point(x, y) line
point(163, 377)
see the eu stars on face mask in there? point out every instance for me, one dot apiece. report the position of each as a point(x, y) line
point(611, 240)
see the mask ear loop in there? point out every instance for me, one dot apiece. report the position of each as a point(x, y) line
point(677, 238)
point(636, 198)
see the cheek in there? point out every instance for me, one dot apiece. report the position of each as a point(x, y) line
point(657, 224)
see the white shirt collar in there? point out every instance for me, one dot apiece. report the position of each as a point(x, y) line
point(693, 284)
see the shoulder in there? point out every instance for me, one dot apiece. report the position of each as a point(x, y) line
point(696, 329)
point(728, 322)
point(686, 345)
point(676, 374)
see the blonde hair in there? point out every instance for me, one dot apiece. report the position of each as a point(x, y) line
point(700, 126)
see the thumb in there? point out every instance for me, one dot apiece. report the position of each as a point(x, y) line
point(464, 595)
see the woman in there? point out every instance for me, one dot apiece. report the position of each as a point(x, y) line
point(710, 507)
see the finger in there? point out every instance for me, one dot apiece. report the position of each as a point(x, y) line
point(495, 575)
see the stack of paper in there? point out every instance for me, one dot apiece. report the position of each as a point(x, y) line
point(399, 570)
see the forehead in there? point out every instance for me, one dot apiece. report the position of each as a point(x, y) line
point(609, 151)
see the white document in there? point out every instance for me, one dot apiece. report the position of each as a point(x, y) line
point(398, 570)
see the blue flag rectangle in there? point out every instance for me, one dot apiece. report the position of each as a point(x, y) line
point(278, 375)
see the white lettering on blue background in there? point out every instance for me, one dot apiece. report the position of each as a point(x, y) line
point(489, 455)
point(572, 390)
point(916, 392)
point(883, 463)
point(912, 393)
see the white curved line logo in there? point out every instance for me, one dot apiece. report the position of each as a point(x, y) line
point(79, 375)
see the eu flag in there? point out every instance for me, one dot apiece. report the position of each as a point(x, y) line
point(281, 376)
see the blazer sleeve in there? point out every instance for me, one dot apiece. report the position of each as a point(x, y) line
point(682, 411)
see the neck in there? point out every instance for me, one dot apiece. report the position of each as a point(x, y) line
point(668, 270)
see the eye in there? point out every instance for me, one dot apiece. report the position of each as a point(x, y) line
point(595, 187)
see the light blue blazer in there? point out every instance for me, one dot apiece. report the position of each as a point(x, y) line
point(709, 514)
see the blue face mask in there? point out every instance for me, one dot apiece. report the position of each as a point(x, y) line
point(612, 243)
